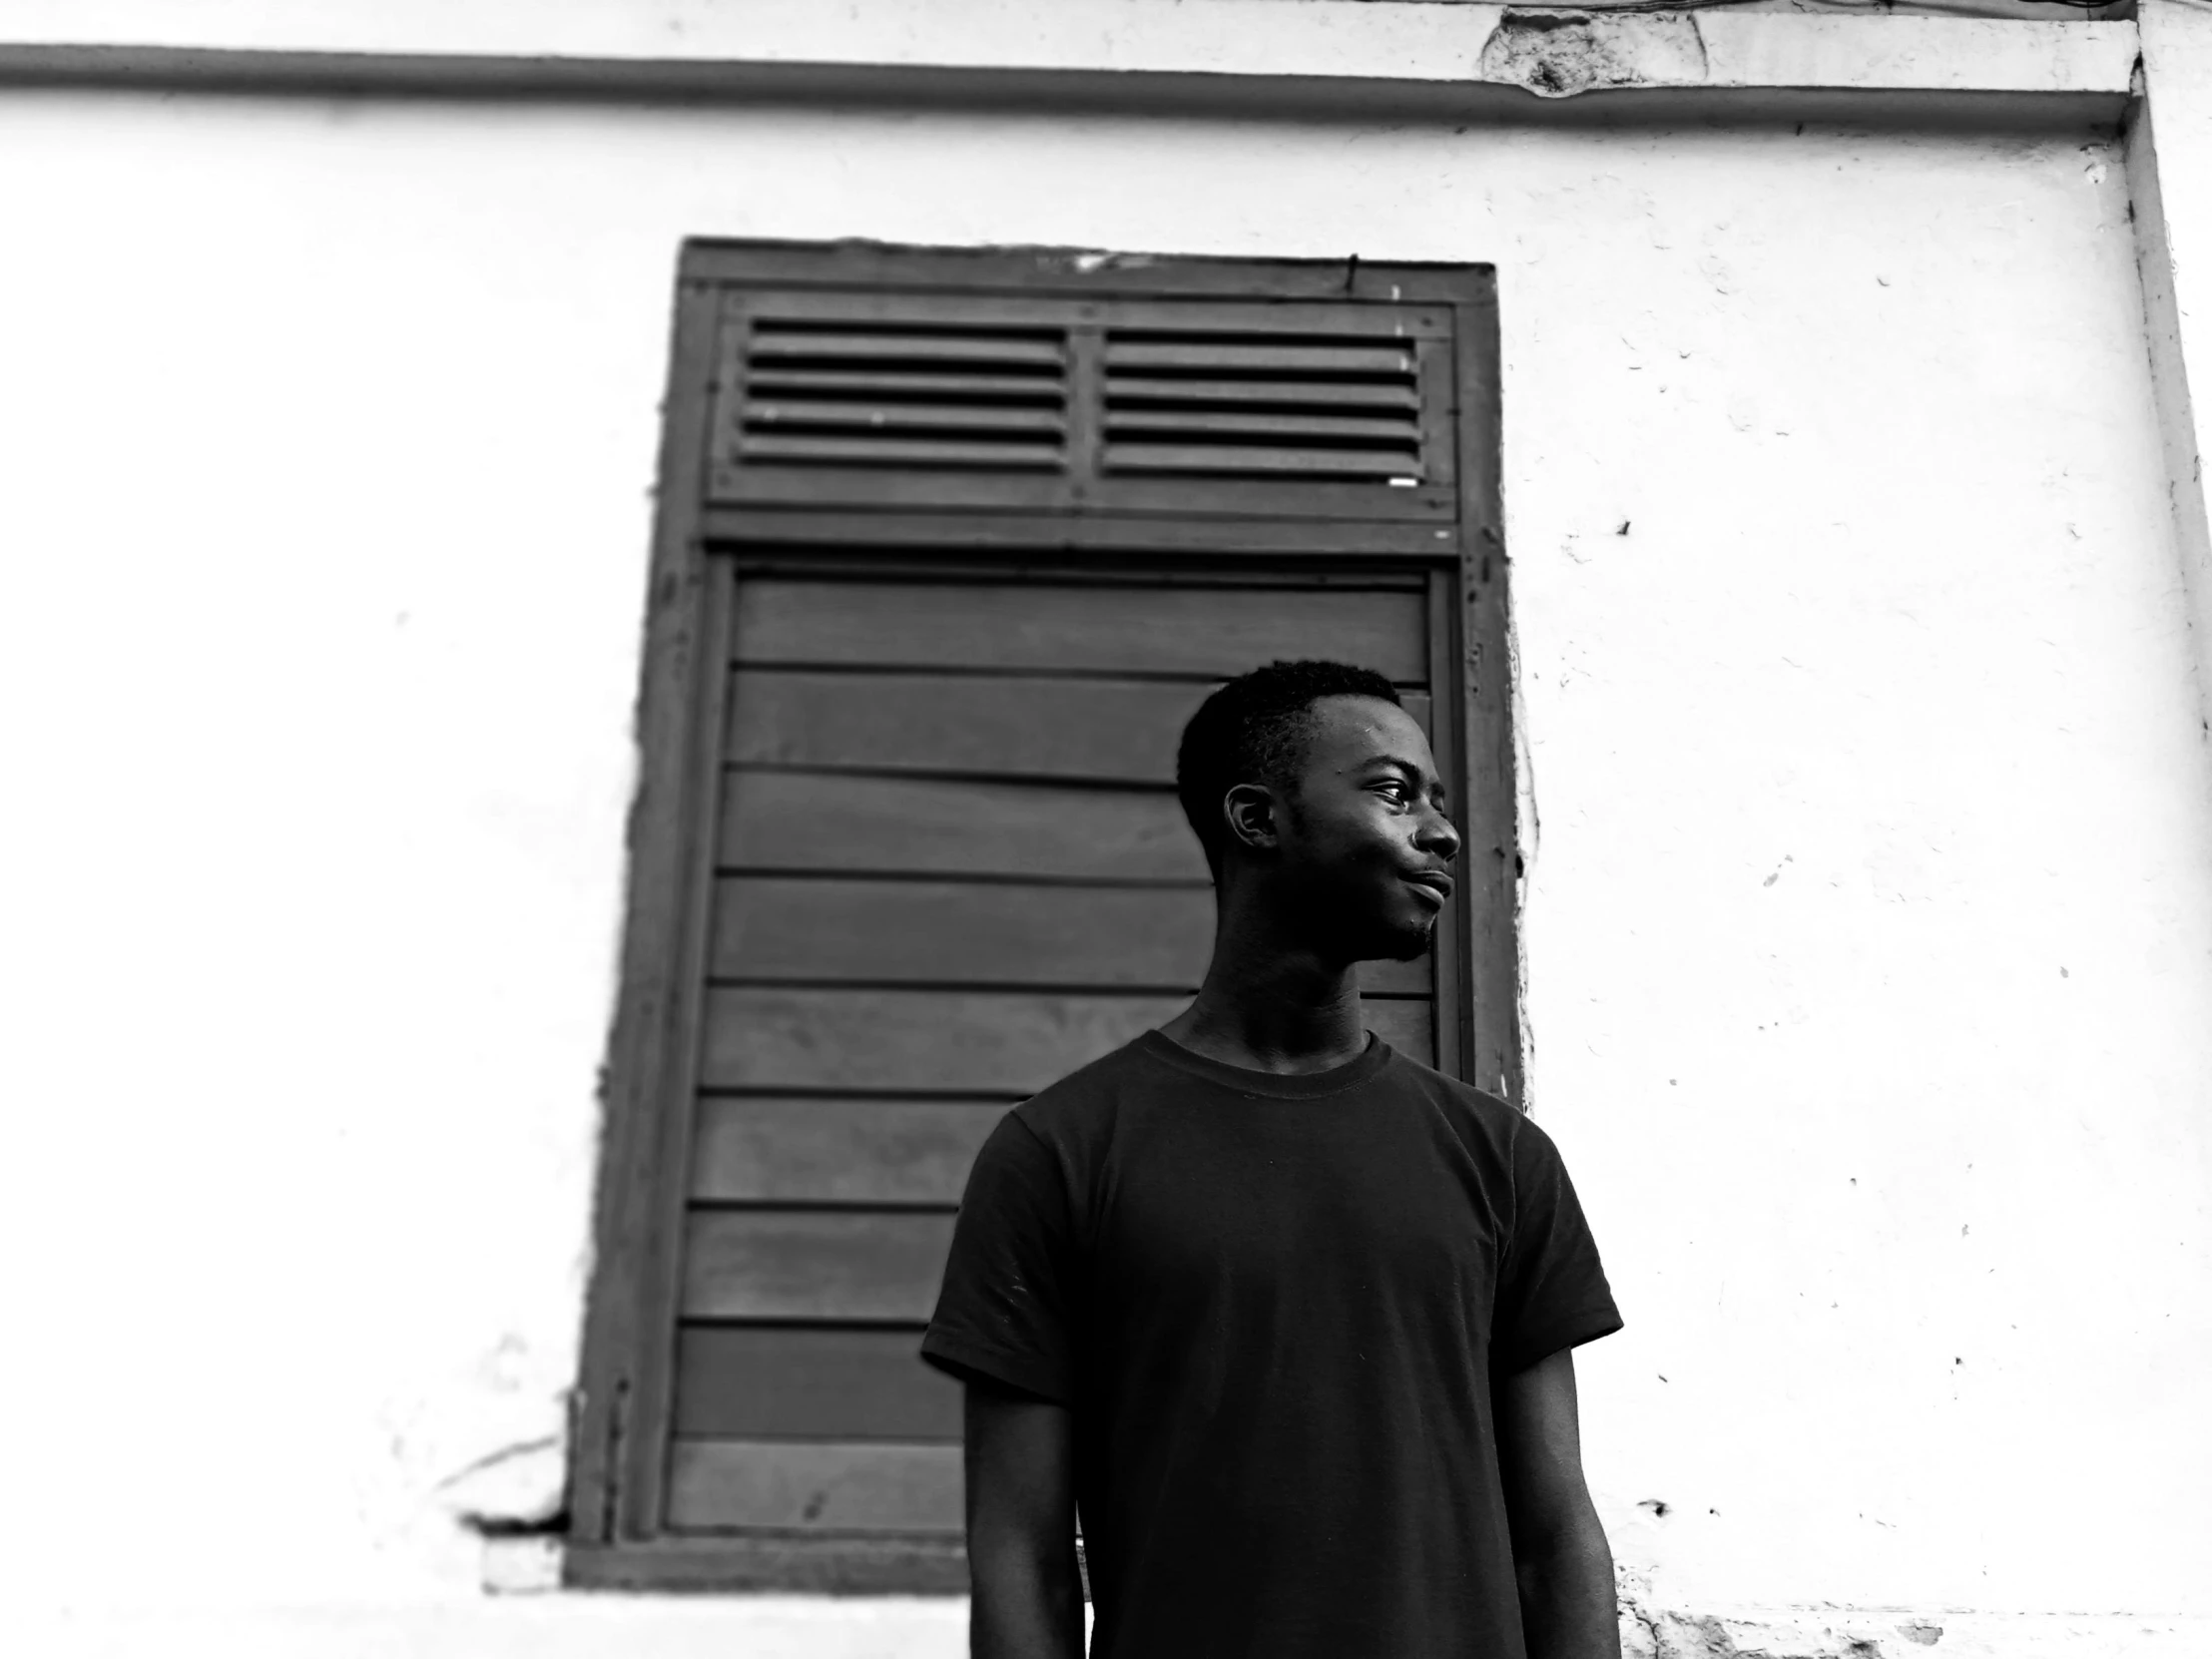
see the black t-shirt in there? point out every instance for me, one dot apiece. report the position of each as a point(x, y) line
point(1275, 1305)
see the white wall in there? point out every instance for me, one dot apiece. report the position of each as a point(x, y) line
point(1868, 928)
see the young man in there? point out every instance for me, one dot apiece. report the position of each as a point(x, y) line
point(1286, 1313)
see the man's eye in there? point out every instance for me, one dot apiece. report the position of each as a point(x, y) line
point(1397, 793)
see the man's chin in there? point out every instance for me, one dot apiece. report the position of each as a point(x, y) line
point(1402, 944)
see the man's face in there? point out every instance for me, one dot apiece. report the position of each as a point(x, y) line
point(1364, 845)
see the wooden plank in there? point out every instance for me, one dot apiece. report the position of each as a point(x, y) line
point(915, 1563)
point(813, 1265)
point(890, 414)
point(791, 820)
point(1407, 1024)
point(1071, 628)
point(1360, 325)
point(842, 489)
point(983, 726)
point(616, 1469)
point(1396, 431)
point(890, 932)
point(1124, 389)
point(1032, 389)
point(739, 1381)
point(1266, 511)
point(1449, 953)
point(1029, 273)
point(1490, 864)
point(946, 933)
point(1321, 542)
point(1101, 730)
point(1124, 456)
point(1288, 357)
point(889, 451)
point(1333, 318)
point(940, 1042)
point(981, 346)
point(814, 1151)
point(732, 1486)
point(1440, 413)
point(1363, 501)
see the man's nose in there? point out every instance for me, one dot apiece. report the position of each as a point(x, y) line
point(1438, 835)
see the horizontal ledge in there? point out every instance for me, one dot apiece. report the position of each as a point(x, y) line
point(970, 878)
point(1281, 40)
point(784, 539)
point(715, 1204)
point(1088, 989)
point(982, 91)
point(853, 1565)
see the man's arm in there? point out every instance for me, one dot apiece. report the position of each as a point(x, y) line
point(1560, 1558)
point(1020, 1460)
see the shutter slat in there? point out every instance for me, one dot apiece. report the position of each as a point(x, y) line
point(1285, 356)
point(1125, 390)
point(995, 350)
point(764, 446)
point(1401, 434)
point(1230, 458)
point(774, 379)
point(1016, 310)
point(875, 415)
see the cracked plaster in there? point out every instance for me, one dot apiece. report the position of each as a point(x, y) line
point(1561, 54)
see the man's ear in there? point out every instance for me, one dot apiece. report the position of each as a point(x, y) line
point(1249, 809)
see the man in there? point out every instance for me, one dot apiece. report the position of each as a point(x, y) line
point(1288, 1314)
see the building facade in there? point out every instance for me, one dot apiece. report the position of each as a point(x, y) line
point(1821, 378)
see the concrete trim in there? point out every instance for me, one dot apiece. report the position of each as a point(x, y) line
point(1543, 54)
point(526, 1626)
point(2176, 69)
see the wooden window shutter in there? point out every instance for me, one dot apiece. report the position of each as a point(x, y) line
point(951, 544)
point(1214, 408)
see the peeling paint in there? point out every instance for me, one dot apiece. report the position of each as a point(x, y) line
point(1561, 54)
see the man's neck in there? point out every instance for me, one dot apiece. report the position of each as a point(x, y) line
point(1270, 1003)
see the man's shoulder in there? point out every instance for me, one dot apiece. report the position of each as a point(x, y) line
point(1454, 1094)
point(1477, 1116)
point(1085, 1101)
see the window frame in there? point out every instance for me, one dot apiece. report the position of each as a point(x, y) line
point(619, 1413)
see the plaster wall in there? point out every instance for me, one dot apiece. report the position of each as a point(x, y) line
point(2170, 157)
point(1868, 920)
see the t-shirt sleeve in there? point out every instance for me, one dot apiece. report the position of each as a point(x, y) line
point(1552, 1292)
point(1004, 1313)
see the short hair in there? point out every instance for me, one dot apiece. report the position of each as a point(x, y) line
point(1255, 730)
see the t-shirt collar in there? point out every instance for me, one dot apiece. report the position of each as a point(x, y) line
point(1158, 1046)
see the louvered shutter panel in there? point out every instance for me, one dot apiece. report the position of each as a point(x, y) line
point(951, 545)
point(1209, 409)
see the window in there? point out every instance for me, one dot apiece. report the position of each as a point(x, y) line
point(950, 545)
